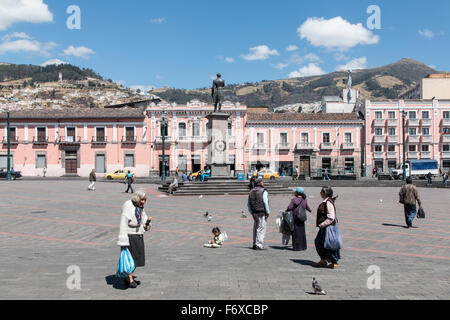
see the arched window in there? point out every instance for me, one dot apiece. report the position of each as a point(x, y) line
point(182, 129)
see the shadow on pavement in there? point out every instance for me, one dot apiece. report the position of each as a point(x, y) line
point(305, 262)
point(394, 225)
point(282, 248)
point(116, 282)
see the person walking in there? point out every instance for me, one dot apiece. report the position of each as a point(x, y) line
point(258, 206)
point(296, 173)
point(374, 172)
point(408, 197)
point(326, 216)
point(325, 175)
point(92, 180)
point(445, 179)
point(429, 178)
point(129, 180)
point(299, 206)
point(134, 223)
point(252, 183)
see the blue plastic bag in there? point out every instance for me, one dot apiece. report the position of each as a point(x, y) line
point(333, 239)
point(126, 264)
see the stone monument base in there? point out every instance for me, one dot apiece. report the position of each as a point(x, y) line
point(220, 171)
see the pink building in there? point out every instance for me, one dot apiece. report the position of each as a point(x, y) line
point(427, 128)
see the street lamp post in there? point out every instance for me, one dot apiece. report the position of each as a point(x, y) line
point(8, 141)
point(404, 145)
point(163, 137)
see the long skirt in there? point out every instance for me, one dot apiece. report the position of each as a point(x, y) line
point(299, 237)
point(137, 249)
point(332, 256)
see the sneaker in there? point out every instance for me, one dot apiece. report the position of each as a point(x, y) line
point(133, 285)
point(260, 248)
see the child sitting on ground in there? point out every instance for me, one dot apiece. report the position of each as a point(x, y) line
point(218, 239)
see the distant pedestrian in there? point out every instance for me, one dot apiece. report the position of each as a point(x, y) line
point(133, 225)
point(173, 185)
point(299, 206)
point(252, 183)
point(445, 178)
point(296, 173)
point(129, 179)
point(326, 177)
point(258, 206)
point(176, 172)
point(408, 197)
point(326, 216)
point(92, 180)
point(429, 178)
point(44, 171)
point(374, 172)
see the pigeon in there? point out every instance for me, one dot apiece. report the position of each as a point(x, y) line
point(200, 197)
point(209, 218)
point(206, 214)
point(244, 215)
point(317, 288)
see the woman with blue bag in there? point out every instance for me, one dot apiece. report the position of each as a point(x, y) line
point(328, 241)
point(133, 225)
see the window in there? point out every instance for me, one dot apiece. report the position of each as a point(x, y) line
point(260, 138)
point(12, 134)
point(304, 138)
point(425, 148)
point(392, 131)
point(425, 115)
point(41, 161)
point(446, 148)
point(195, 129)
point(70, 134)
point(164, 129)
point(446, 130)
point(412, 131)
point(326, 163)
point(129, 134)
point(391, 114)
point(182, 129)
point(412, 148)
point(283, 138)
point(378, 131)
point(129, 160)
point(350, 164)
point(391, 148)
point(326, 137)
point(378, 148)
point(100, 134)
point(426, 131)
point(4, 161)
point(41, 134)
point(412, 115)
point(378, 115)
point(446, 115)
point(392, 164)
point(348, 137)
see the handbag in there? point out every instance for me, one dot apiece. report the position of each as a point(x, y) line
point(287, 224)
point(333, 240)
point(126, 264)
point(420, 213)
point(301, 214)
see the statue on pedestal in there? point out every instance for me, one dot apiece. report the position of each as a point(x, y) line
point(217, 92)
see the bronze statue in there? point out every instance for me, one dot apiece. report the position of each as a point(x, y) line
point(217, 92)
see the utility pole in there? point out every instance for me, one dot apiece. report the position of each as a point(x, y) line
point(163, 137)
point(8, 140)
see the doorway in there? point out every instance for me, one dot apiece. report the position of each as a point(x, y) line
point(166, 165)
point(305, 166)
point(71, 160)
point(100, 163)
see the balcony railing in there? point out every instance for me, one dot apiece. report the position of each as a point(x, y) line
point(167, 139)
point(426, 122)
point(326, 146)
point(413, 139)
point(446, 122)
point(129, 140)
point(260, 146)
point(425, 155)
point(392, 139)
point(379, 122)
point(348, 146)
point(446, 138)
point(378, 155)
point(446, 154)
point(413, 122)
point(283, 146)
point(413, 155)
point(379, 139)
point(40, 140)
point(12, 140)
point(392, 155)
point(304, 146)
point(427, 138)
point(99, 140)
point(69, 140)
point(392, 122)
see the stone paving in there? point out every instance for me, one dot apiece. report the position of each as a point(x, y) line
point(47, 226)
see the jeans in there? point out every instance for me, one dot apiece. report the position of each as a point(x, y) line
point(130, 187)
point(331, 256)
point(410, 214)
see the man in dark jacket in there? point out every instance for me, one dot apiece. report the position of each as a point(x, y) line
point(258, 206)
point(408, 197)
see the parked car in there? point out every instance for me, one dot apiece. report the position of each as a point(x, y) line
point(14, 175)
point(268, 174)
point(118, 175)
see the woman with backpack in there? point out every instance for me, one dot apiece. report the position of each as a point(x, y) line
point(299, 206)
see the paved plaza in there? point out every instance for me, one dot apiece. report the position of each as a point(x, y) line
point(48, 226)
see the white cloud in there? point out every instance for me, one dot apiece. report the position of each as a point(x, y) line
point(15, 11)
point(357, 63)
point(53, 62)
point(158, 20)
point(339, 56)
point(281, 65)
point(79, 52)
point(23, 43)
point(312, 57)
point(292, 47)
point(260, 53)
point(229, 60)
point(335, 34)
point(427, 33)
point(310, 70)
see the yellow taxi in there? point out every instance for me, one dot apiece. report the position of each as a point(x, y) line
point(268, 174)
point(118, 175)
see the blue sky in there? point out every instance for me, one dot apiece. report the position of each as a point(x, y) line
point(183, 44)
